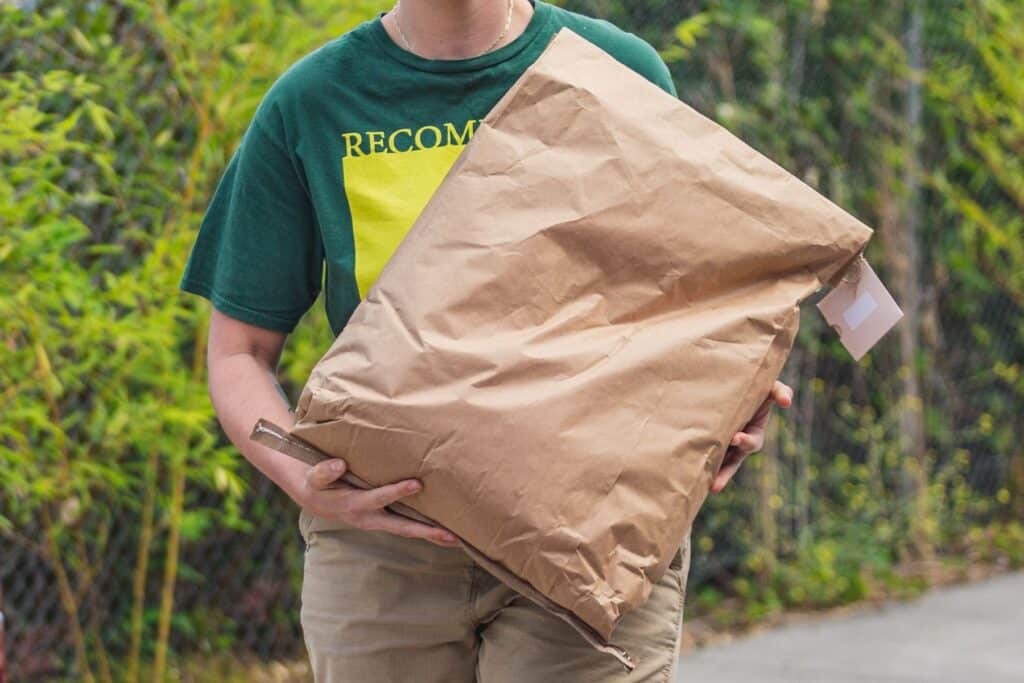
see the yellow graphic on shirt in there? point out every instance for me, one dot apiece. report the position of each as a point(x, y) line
point(388, 180)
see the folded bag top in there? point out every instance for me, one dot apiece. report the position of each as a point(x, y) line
point(596, 298)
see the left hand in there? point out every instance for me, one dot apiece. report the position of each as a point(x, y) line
point(751, 438)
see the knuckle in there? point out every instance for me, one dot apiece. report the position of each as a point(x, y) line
point(347, 508)
point(374, 500)
point(389, 495)
point(363, 501)
point(317, 477)
point(387, 491)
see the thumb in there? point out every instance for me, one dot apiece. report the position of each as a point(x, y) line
point(325, 473)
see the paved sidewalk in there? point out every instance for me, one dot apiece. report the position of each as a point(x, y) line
point(961, 634)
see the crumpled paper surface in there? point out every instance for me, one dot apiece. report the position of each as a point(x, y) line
point(597, 297)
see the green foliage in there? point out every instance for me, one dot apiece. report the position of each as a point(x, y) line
point(983, 102)
point(823, 88)
point(116, 120)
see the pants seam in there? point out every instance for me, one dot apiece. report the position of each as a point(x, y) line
point(473, 591)
point(666, 672)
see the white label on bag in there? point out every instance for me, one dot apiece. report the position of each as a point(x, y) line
point(863, 307)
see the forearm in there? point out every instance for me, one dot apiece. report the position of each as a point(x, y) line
point(243, 389)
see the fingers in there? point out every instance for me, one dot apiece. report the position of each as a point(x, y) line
point(782, 394)
point(730, 465)
point(751, 439)
point(742, 445)
point(376, 498)
point(382, 520)
point(325, 473)
point(365, 509)
point(747, 443)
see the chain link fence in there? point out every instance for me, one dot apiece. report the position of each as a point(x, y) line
point(240, 590)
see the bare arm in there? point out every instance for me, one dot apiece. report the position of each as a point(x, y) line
point(242, 360)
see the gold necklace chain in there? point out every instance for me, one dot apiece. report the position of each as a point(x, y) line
point(408, 46)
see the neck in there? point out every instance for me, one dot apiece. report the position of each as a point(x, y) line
point(456, 29)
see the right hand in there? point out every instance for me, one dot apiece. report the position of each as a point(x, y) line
point(323, 495)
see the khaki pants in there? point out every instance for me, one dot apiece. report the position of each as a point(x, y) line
point(378, 608)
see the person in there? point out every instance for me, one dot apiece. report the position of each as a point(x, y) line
point(342, 153)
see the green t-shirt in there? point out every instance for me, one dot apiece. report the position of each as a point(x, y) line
point(341, 156)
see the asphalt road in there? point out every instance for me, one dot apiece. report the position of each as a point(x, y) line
point(961, 634)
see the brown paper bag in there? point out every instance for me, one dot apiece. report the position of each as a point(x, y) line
point(597, 297)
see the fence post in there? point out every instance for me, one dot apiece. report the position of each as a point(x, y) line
point(3, 648)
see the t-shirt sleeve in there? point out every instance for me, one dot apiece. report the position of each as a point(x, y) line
point(648, 63)
point(258, 256)
point(628, 48)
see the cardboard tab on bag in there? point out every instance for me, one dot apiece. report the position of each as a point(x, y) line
point(860, 308)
